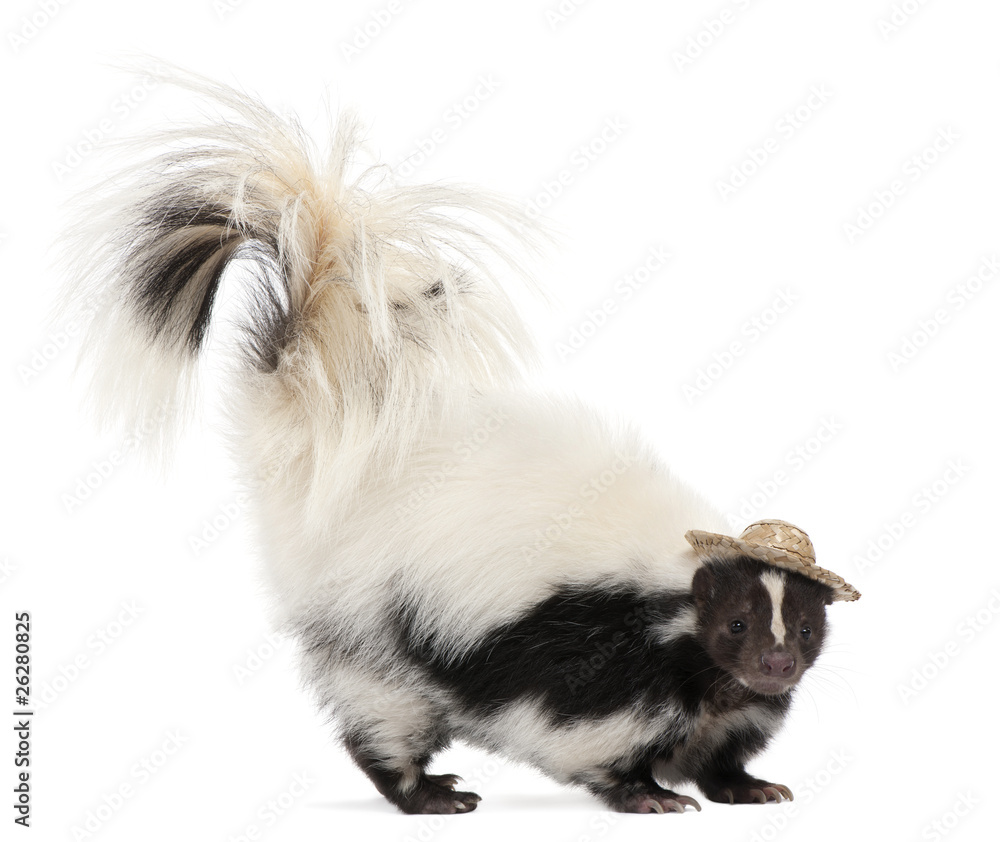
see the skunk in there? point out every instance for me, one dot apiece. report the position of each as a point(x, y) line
point(459, 556)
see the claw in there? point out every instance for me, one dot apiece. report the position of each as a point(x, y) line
point(758, 795)
point(785, 791)
point(727, 792)
point(659, 802)
point(460, 807)
point(777, 792)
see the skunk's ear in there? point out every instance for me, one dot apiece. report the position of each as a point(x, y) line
point(702, 587)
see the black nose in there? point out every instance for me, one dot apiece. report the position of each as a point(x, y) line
point(779, 664)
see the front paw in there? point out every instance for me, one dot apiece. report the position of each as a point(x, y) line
point(753, 791)
point(663, 801)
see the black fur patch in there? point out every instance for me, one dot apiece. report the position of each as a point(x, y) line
point(269, 325)
point(180, 235)
point(176, 265)
point(584, 652)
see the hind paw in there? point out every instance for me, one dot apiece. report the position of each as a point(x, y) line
point(437, 794)
point(660, 802)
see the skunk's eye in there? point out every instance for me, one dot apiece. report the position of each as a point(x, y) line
point(806, 632)
point(736, 626)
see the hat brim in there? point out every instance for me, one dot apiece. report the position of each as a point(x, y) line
point(717, 546)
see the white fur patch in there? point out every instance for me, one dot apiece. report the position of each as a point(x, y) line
point(577, 751)
point(393, 712)
point(493, 511)
point(774, 584)
point(684, 624)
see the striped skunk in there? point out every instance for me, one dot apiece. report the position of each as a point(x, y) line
point(458, 556)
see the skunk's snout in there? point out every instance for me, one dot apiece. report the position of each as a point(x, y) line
point(777, 664)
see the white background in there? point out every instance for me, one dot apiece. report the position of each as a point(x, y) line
point(144, 641)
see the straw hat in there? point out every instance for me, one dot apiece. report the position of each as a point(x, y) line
point(774, 542)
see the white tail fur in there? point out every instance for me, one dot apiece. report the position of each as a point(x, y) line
point(372, 302)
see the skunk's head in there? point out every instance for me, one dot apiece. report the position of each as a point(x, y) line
point(763, 625)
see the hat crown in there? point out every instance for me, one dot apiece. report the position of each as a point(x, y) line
point(781, 535)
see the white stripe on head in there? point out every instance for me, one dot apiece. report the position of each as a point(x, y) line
point(774, 584)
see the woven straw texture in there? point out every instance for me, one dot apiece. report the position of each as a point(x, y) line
point(777, 543)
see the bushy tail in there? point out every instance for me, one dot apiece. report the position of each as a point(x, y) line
point(369, 300)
